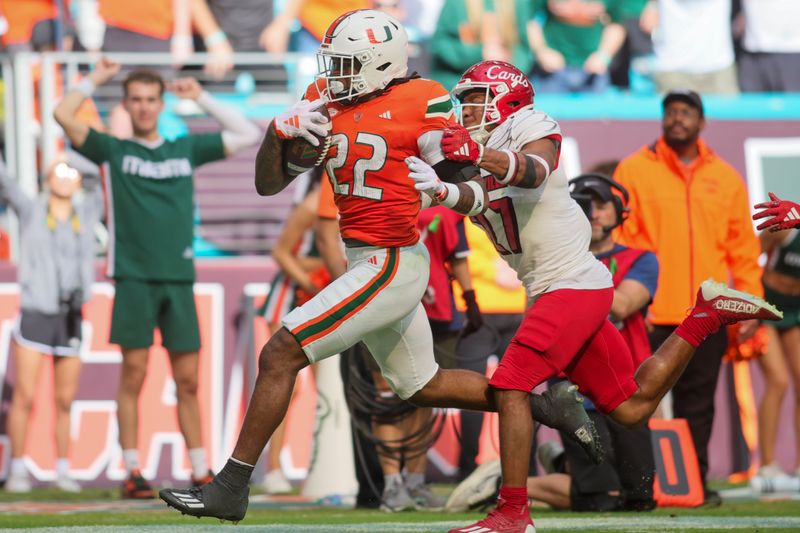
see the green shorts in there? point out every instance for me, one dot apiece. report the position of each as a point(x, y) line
point(141, 306)
point(790, 305)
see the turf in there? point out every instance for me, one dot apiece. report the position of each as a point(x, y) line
point(71, 511)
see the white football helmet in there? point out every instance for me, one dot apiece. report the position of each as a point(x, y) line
point(362, 51)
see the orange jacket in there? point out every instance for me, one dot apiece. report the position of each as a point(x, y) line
point(696, 218)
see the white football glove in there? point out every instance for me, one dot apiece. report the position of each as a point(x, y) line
point(301, 120)
point(425, 178)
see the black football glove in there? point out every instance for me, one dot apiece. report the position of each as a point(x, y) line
point(474, 316)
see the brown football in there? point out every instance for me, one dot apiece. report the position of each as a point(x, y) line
point(299, 155)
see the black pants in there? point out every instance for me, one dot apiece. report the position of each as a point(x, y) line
point(693, 394)
point(630, 469)
point(472, 353)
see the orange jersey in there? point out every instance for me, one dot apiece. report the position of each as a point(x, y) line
point(22, 16)
point(153, 18)
point(378, 204)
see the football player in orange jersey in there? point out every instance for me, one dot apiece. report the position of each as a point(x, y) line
point(380, 117)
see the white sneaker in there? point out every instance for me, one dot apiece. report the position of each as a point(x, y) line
point(18, 485)
point(276, 483)
point(479, 486)
point(771, 470)
point(67, 484)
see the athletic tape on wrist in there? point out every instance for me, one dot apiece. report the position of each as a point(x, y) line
point(480, 154)
point(477, 203)
point(448, 196)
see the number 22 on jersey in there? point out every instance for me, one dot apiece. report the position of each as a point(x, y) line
point(376, 146)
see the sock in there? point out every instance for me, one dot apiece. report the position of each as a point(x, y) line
point(514, 500)
point(415, 479)
point(702, 322)
point(62, 467)
point(130, 458)
point(235, 475)
point(392, 479)
point(197, 456)
point(18, 468)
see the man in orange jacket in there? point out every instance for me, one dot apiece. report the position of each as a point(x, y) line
point(690, 207)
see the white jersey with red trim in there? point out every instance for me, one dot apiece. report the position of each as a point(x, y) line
point(541, 233)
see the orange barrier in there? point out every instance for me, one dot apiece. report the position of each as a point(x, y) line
point(678, 482)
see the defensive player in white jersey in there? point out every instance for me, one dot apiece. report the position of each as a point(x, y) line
point(522, 202)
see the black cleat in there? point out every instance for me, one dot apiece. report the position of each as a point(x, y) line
point(214, 499)
point(561, 408)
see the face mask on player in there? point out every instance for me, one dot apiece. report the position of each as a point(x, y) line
point(505, 89)
point(362, 52)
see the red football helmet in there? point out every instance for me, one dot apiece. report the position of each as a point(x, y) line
point(506, 87)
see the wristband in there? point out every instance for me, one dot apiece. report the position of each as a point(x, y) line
point(512, 167)
point(480, 154)
point(86, 87)
point(215, 38)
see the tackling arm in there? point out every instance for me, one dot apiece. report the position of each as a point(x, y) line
point(467, 198)
point(527, 168)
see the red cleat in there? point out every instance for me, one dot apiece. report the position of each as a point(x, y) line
point(731, 305)
point(500, 522)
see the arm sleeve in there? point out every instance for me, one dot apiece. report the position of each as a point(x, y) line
point(97, 146)
point(238, 132)
point(206, 147)
point(13, 195)
point(645, 271)
point(743, 247)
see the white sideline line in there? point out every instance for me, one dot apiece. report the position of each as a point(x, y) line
point(632, 523)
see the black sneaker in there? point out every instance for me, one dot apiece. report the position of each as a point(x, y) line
point(561, 408)
point(136, 487)
point(213, 499)
point(711, 498)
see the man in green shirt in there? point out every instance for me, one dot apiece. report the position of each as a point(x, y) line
point(150, 218)
point(574, 42)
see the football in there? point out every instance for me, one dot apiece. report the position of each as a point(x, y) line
point(300, 156)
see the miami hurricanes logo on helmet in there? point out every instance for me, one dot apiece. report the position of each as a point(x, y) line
point(373, 40)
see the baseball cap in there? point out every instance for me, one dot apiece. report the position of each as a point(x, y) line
point(684, 95)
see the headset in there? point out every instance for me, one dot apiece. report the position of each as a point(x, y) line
point(581, 186)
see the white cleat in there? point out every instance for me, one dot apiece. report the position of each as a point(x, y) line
point(480, 485)
point(67, 484)
point(18, 485)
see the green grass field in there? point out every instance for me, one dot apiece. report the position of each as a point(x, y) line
point(98, 510)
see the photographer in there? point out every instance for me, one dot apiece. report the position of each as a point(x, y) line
point(55, 275)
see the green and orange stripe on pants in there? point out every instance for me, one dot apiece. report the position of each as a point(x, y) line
point(320, 326)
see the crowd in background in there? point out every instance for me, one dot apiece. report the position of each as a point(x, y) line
point(711, 46)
